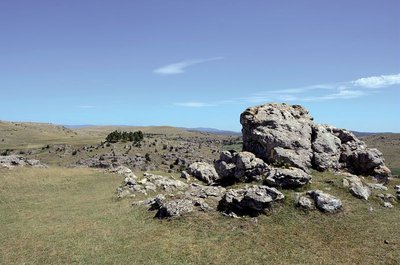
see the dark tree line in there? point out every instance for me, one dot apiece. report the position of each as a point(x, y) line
point(116, 136)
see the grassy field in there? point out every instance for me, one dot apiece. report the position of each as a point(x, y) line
point(70, 216)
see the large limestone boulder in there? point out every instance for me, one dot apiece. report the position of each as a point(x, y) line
point(285, 135)
point(203, 171)
point(278, 134)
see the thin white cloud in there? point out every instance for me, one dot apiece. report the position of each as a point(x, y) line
point(323, 92)
point(378, 81)
point(180, 67)
point(194, 104)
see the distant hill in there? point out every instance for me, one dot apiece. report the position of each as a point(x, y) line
point(22, 134)
point(363, 134)
point(214, 131)
point(197, 129)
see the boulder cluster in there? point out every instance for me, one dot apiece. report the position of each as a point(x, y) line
point(281, 146)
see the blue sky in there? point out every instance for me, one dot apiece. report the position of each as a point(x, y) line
point(199, 63)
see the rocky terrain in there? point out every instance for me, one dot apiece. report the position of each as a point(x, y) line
point(281, 148)
point(288, 185)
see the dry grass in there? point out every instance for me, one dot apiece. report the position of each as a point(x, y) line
point(69, 216)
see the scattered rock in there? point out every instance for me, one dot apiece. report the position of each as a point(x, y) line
point(249, 201)
point(356, 187)
point(240, 167)
point(12, 161)
point(304, 202)
point(397, 189)
point(387, 197)
point(201, 191)
point(387, 205)
point(377, 186)
point(203, 171)
point(325, 202)
point(175, 208)
point(149, 183)
point(287, 177)
point(185, 175)
point(122, 170)
point(153, 203)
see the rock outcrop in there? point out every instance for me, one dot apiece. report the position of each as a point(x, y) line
point(281, 144)
point(282, 134)
point(279, 134)
point(12, 161)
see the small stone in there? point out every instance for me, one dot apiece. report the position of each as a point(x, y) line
point(304, 202)
point(387, 205)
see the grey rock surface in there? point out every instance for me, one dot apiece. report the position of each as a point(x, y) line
point(175, 208)
point(149, 183)
point(250, 201)
point(287, 177)
point(285, 135)
point(356, 187)
point(325, 202)
point(326, 147)
point(240, 166)
point(203, 171)
point(304, 202)
point(278, 134)
point(12, 161)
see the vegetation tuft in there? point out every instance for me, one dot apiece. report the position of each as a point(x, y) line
point(117, 136)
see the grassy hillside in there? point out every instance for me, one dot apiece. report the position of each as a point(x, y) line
point(30, 135)
point(69, 216)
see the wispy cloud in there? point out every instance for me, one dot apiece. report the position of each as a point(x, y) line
point(322, 92)
point(180, 67)
point(378, 81)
